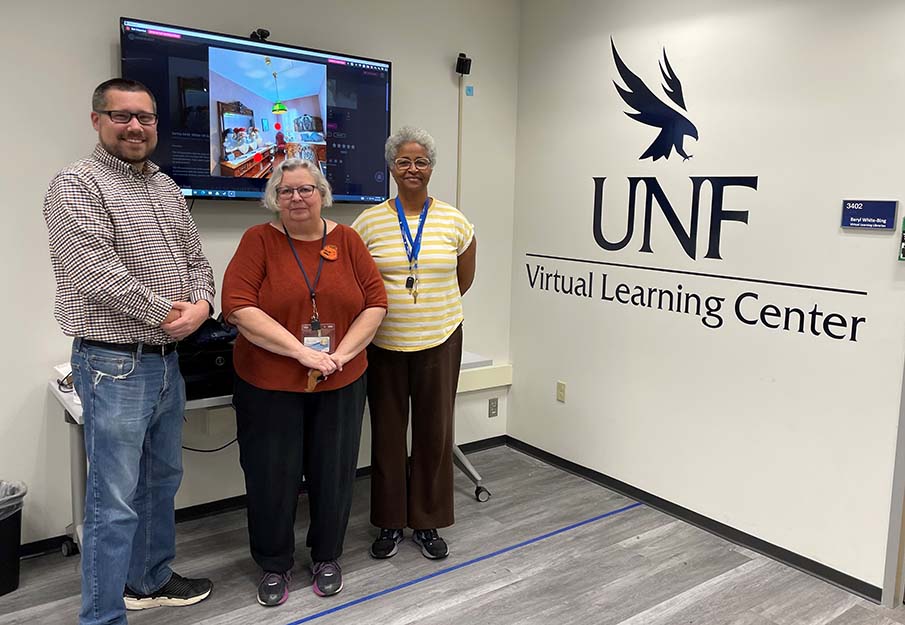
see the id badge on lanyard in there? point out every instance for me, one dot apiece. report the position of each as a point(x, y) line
point(319, 336)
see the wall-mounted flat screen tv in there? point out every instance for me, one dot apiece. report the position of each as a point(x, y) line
point(231, 108)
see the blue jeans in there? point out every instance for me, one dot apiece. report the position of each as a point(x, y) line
point(132, 405)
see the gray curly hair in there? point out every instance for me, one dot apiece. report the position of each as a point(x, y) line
point(291, 164)
point(410, 134)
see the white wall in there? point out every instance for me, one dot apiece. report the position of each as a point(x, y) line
point(52, 64)
point(788, 437)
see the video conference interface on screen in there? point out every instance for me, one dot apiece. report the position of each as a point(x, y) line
point(231, 109)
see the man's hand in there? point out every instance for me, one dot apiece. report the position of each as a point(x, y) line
point(190, 318)
point(172, 316)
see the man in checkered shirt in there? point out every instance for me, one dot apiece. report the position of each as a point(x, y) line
point(131, 281)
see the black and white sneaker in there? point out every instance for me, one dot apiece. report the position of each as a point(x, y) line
point(178, 591)
point(432, 546)
point(386, 544)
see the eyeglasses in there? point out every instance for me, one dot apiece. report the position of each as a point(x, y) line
point(405, 163)
point(304, 191)
point(124, 117)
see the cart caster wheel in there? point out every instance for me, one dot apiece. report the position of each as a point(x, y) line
point(68, 548)
point(481, 494)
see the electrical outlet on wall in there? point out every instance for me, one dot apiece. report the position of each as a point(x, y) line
point(561, 391)
point(493, 407)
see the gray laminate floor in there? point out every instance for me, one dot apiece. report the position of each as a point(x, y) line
point(548, 547)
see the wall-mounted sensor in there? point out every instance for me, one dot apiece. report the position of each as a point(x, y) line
point(463, 64)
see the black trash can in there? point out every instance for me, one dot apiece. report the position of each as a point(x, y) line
point(11, 496)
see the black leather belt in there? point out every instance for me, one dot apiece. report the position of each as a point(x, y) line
point(146, 348)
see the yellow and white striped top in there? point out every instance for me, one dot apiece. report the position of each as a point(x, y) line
point(410, 327)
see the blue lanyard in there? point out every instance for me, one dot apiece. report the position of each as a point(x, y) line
point(412, 246)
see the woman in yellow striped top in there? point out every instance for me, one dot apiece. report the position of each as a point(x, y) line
point(425, 250)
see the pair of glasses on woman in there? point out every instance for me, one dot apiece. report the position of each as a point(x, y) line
point(304, 191)
point(124, 117)
point(420, 164)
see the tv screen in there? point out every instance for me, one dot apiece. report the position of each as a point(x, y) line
point(232, 108)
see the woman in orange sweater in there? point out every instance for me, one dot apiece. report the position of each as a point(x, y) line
point(307, 299)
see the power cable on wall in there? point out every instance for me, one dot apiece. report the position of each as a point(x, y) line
point(210, 451)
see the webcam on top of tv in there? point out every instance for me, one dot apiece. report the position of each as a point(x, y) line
point(259, 34)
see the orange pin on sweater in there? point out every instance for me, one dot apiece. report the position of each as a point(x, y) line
point(330, 252)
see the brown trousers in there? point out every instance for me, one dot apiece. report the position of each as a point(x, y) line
point(419, 493)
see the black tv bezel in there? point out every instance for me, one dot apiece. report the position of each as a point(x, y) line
point(302, 49)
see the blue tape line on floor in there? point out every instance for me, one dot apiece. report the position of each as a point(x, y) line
point(462, 565)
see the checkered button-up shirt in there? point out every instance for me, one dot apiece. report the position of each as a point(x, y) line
point(123, 248)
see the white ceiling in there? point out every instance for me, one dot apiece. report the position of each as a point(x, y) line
point(297, 79)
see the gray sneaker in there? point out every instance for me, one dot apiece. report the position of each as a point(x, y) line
point(386, 544)
point(273, 589)
point(432, 546)
point(328, 578)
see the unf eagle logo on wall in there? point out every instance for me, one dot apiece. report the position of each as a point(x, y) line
point(647, 191)
point(652, 111)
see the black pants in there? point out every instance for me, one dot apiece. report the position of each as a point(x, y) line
point(283, 435)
